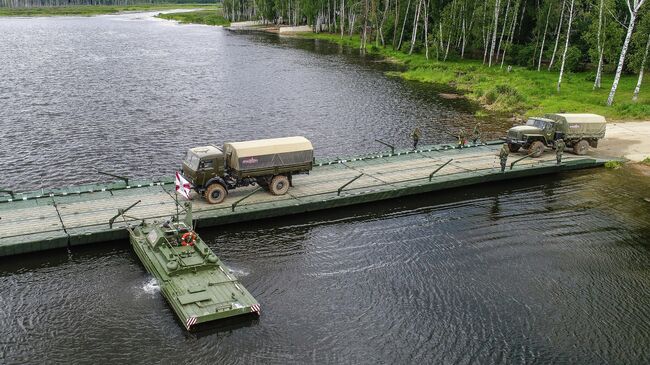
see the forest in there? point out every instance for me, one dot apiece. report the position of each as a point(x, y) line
point(600, 36)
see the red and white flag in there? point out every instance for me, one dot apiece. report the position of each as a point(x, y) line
point(183, 186)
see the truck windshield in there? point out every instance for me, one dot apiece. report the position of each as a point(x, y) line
point(536, 123)
point(192, 160)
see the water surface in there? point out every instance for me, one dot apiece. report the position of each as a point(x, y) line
point(545, 270)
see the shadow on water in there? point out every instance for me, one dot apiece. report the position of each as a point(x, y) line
point(222, 327)
point(62, 256)
point(296, 228)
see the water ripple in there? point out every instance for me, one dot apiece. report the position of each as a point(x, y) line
point(551, 270)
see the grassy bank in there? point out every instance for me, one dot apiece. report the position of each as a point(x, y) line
point(89, 10)
point(208, 17)
point(521, 91)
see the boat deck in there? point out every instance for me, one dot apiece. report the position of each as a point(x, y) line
point(79, 215)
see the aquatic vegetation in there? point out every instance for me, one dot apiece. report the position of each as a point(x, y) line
point(613, 165)
point(207, 17)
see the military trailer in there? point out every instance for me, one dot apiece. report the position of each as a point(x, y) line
point(579, 131)
point(269, 163)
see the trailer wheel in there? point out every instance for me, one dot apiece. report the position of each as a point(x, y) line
point(513, 147)
point(215, 193)
point(536, 149)
point(581, 147)
point(279, 185)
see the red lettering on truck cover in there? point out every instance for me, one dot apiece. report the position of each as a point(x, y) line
point(249, 161)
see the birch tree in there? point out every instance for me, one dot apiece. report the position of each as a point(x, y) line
point(513, 25)
point(494, 31)
point(557, 38)
point(401, 36)
point(503, 30)
point(342, 18)
point(633, 7)
point(566, 45)
point(600, 47)
point(541, 49)
point(635, 96)
point(426, 30)
point(415, 27)
point(365, 26)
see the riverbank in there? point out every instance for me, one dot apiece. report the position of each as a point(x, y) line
point(515, 91)
point(630, 140)
point(520, 91)
point(90, 10)
point(207, 17)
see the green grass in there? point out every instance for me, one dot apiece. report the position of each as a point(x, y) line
point(209, 17)
point(89, 10)
point(613, 165)
point(521, 91)
point(646, 161)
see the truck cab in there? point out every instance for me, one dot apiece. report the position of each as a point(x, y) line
point(535, 129)
point(202, 165)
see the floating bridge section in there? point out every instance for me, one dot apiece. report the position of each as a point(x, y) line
point(80, 215)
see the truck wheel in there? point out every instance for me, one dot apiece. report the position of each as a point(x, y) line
point(215, 194)
point(581, 147)
point(513, 147)
point(536, 149)
point(279, 185)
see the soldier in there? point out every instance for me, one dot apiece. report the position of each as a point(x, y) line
point(417, 134)
point(476, 133)
point(503, 156)
point(559, 149)
point(461, 137)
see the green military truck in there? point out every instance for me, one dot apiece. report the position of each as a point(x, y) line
point(269, 163)
point(579, 131)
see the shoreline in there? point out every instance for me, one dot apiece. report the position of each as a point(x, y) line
point(519, 92)
point(515, 91)
point(499, 98)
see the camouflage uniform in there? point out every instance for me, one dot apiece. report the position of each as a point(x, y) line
point(559, 149)
point(476, 133)
point(461, 137)
point(417, 134)
point(503, 156)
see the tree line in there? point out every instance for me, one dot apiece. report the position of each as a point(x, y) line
point(603, 36)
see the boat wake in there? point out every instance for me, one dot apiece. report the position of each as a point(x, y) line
point(238, 272)
point(151, 286)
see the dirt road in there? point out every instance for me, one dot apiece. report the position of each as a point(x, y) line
point(630, 140)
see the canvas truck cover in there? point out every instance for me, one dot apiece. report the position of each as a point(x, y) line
point(268, 153)
point(581, 125)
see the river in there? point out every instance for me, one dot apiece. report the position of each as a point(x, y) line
point(554, 269)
